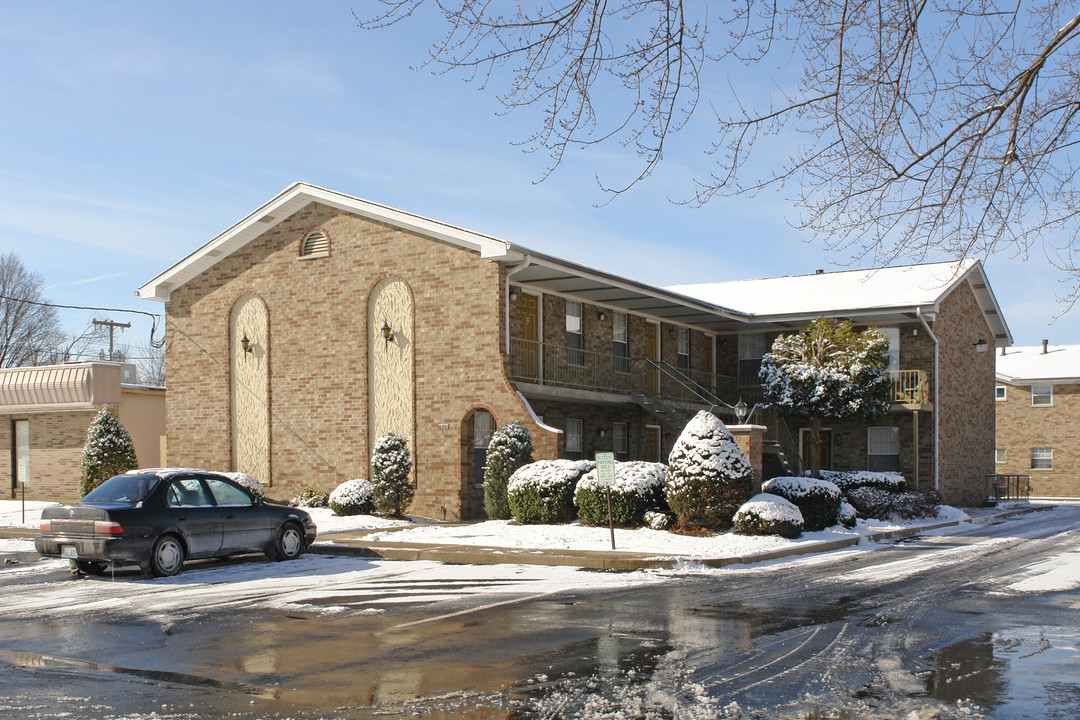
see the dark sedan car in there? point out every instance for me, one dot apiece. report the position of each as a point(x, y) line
point(159, 518)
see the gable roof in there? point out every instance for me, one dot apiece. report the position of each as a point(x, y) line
point(1028, 363)
point(873, 296)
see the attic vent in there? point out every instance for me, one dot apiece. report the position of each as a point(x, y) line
point(315, 244)
point(267, 219)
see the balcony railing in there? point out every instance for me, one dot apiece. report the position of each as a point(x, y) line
point(561, 366)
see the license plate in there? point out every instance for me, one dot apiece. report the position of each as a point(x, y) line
point(69, 551)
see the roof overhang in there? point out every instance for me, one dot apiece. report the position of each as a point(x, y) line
point(295, 198)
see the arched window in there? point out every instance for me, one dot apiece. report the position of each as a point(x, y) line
point(315, 244)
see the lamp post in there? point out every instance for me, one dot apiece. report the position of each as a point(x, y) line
point(740, 411)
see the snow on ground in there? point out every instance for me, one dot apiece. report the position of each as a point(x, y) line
point(11, 513)
point(1061, 572)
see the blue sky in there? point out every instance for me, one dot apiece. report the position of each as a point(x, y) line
point(133, 133)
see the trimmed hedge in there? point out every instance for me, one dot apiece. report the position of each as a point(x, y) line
point(708, 475)
point(543, 492)
point(847, 515)
point(912, 504)
point(638, 488)
point(849, 480)
point(817, 500)
point(767, 514)
point(353, 497)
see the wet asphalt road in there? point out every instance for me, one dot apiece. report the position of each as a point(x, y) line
point(924, 628)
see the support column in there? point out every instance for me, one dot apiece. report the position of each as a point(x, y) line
point(749, 439)
point(915, 440)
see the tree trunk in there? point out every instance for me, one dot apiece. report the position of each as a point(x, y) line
point(815, 447)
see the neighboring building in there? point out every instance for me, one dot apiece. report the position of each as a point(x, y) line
point(46, 411)
point(1038, 416)
point(321, 321)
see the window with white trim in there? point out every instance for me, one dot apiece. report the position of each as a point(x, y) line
point(1042, 395)
point(892, 335)
point(1042, 458)
point(999, 455)
point(999, 393)
point(620, 346)
point(619, 442)
point(575, 337)
point(883, 449)
point(683, 348)
point(751, 348)
point(574, 432)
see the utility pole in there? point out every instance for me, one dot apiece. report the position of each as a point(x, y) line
point(112, 327)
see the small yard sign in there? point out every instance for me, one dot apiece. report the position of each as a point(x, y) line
point(605, 476)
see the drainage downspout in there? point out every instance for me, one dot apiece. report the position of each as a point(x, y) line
point(937, 408)
point(516, 270)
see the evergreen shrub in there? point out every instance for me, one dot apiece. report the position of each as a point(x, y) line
point(510, 448)
point(767, 514)
point(708, 476)
point(817, 500)
point(108, 451)
point(390, 475)
point(638, 488)
point(311, 498)
point(353, 497)
point(543, 492)
point(247, 482)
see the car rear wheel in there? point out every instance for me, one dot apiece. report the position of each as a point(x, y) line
point(91, 567)
point(288, 543)
point(167, 556)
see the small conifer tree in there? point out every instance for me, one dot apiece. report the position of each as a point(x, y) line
point(390, 469)
point(108, 451)
point(510, 448)
point(708, 476)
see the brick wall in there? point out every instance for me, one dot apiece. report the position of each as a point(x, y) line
point(1021, 427)
point(317, 355)
point(56, 445)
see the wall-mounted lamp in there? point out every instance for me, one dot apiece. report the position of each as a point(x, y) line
point(513, 296)
point(602, 316)
point(980, 345)
point(246, 345)
point(740, 411)
point(387, 334)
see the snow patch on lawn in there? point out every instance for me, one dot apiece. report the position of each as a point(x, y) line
point(1061, 572)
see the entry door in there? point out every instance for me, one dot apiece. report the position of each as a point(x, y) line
point(824, 451)
point(652, 346)
point(652, 443)
point(530, 333)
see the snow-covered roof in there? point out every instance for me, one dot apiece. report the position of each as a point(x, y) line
point(870, 294)
point(1025, 364)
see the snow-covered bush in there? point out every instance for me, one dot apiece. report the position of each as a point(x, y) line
point(353, 497)
point(658, 520)
point(390, 474)
point(108, 451)
point(847, 515)
point(638, 488)
point(871, 502)
point(849, 480)
point(247, 482)
point(543, 491)
point(509, 449)
point(766, 514)
point(310, 498)
point(919, 503)
point(817, 500)
point(708, 475)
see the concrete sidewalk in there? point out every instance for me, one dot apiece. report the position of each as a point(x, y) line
point(353, 544)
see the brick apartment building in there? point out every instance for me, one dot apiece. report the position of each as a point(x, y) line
point(321, 321)
point(46, 411)
point(1038, 413)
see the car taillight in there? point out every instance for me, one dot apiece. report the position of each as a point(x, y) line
point(45, 526)
point(105, 527)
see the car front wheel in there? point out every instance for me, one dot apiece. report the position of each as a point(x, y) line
point(288, 543)
point(167, 556)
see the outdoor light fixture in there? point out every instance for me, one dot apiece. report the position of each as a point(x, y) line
point(387, 334)
point(740, 411)
point(602, 316)
point(246, 345)
point(980, 345)
point(513, 296)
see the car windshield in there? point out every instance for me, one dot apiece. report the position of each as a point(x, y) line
point(129, 489)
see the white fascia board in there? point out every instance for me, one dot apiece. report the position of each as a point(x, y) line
point(292, 199)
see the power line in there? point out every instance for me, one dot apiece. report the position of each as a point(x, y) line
point(156, 344)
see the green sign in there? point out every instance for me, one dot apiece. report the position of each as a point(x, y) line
point(605, 468)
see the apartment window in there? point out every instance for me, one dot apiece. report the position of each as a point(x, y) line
point(1042, 395)
point(483, 429)
point(683, 351)
point(619, 441)
point(620, 347)
point(999, 393)
point(1042, 458)
point(999, 455)
point(751, 348)
point(883, 449)
point(574, 431)
point(575, 339)
point(892, 335)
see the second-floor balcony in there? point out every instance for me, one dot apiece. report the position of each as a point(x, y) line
point(560, 366)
